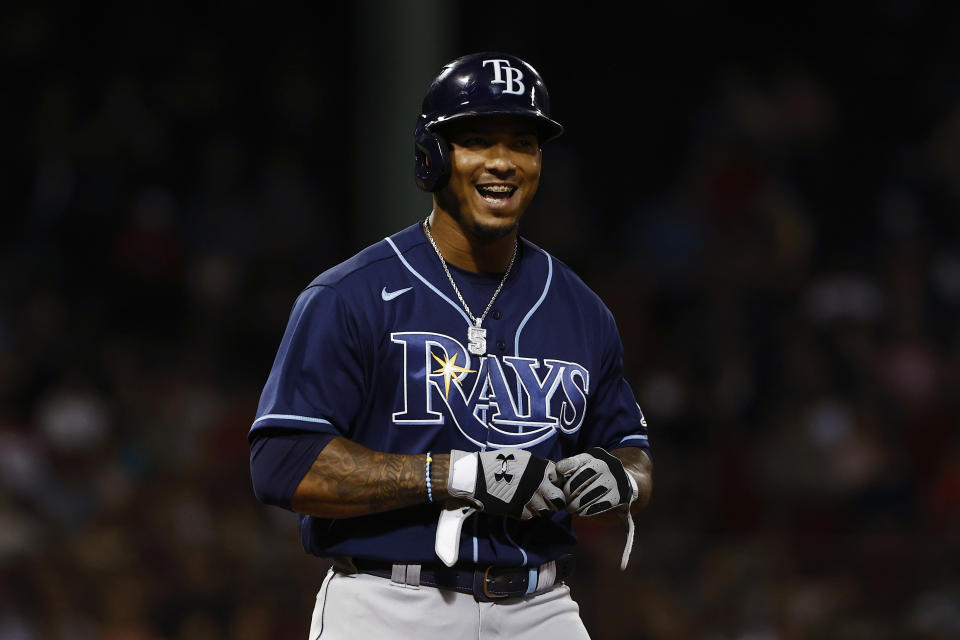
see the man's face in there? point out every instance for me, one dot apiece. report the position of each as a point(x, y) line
point(494, 174)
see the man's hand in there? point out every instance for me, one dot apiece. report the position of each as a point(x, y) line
point(509, 482)
point(595, 482)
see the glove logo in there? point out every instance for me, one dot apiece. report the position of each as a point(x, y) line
point(502, 474)
point(514, 76)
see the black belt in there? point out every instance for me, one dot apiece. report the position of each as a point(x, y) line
point(484, 583)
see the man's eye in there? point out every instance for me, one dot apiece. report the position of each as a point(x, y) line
point(474, 141)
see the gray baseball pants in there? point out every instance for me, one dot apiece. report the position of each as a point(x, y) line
point(360, 606)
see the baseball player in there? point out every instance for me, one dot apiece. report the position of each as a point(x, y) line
point(443, 402)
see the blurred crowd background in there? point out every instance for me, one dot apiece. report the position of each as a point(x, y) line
point(768, 204)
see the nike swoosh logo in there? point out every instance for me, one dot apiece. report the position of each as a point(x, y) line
point(393, 294)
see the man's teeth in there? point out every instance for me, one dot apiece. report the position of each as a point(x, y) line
point(496, 190)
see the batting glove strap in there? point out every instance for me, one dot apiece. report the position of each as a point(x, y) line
point(596, 482)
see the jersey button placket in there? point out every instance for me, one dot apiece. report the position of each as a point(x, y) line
point(501, 345)
point(495, 314)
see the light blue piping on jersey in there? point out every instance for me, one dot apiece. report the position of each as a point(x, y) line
point(519, 548)
point(424, 281)
point(516, 352)
point(285, 416)
point(523, 323)
point(624, 439)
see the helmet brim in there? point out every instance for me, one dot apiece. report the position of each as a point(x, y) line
point(548, 128)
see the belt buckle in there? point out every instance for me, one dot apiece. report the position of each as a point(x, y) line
point(486, 581)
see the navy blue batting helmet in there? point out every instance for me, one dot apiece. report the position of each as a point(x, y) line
point(477, 84)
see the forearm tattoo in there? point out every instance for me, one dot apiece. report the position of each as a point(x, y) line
point(348, 480)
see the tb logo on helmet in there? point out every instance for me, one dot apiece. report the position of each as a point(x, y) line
point(514, 76)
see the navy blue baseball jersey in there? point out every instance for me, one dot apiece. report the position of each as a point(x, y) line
point(376, 351)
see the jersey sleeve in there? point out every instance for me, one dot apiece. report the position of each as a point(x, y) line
point(279, 461)
point(317, 383)
point(614, 418)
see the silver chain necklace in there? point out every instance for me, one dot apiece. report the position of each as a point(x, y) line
point(476, 335)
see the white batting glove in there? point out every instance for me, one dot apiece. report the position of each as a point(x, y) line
point(509, 482)
point(596, 482)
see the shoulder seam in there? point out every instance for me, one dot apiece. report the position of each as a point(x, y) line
point(389, 256)
point(348, 274)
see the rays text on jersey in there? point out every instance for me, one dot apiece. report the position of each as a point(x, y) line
point(494, 401)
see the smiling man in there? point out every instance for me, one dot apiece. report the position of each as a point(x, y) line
point(443, 402)
point(495, 171)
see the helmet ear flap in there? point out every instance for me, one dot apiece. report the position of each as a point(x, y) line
point(431, 167)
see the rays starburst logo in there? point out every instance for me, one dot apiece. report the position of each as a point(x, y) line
point(450, 370)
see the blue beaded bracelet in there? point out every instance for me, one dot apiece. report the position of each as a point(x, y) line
point(429, 483)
